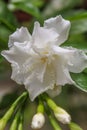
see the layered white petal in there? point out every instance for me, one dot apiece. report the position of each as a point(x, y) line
point(62, 72)
point(78, 61)
point(54, 91)
point(16, 74)
point(21, 35)
point(62, 51)
point(36, 87)
point(34, 66)
point(18, 53)
point(42, 37)
point(61, 26)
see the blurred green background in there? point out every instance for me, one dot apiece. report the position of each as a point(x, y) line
point(17, 13)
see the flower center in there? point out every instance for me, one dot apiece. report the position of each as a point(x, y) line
point(44, 59)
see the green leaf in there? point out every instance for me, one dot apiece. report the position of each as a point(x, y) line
point(74, 126)
point(81, 80)
point(61, 7)
point(77, 41)
point(78, 21)
point(71, 3)
point(37, 3)
point(28, 8)
point(79, 26)
point(6, 17)
point(85, 70)
point(7, 24)
point(78, 15)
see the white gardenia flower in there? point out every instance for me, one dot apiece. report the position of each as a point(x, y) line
point(62, 116)
point(39, 62)
point(38, 121)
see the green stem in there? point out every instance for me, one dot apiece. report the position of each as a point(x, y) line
point(40, 108)
point(15, 121)
point(49, 101)
point(74, 126)
point(20, 126)
point(9, 113)
point(53, 122)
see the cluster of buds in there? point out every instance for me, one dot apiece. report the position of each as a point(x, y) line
point(46, 104)
point(60, 114)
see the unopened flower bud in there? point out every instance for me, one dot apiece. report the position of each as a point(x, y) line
point(62, 116)
point(38, 121)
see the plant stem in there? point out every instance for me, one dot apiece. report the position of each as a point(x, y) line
point(53, 122)
point(50, 104)
point(9, 113)
point(15, 121)
point(49, 101)
point(40, 108)
point(20, 126)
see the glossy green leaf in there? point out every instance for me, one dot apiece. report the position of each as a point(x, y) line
point(81, 80)
point(74, 126)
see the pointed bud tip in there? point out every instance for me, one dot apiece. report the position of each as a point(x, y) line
point(62, 116)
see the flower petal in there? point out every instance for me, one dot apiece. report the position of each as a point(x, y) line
point(21, 35)
point(36, 66)
point(62, 72)
point(55, 91)
point(60, 25)
point(17, 56)
point(42, 37)
point(17, 53)
point(62, 51)
point(78, 61)
point(36, 87)
point(16, 74)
